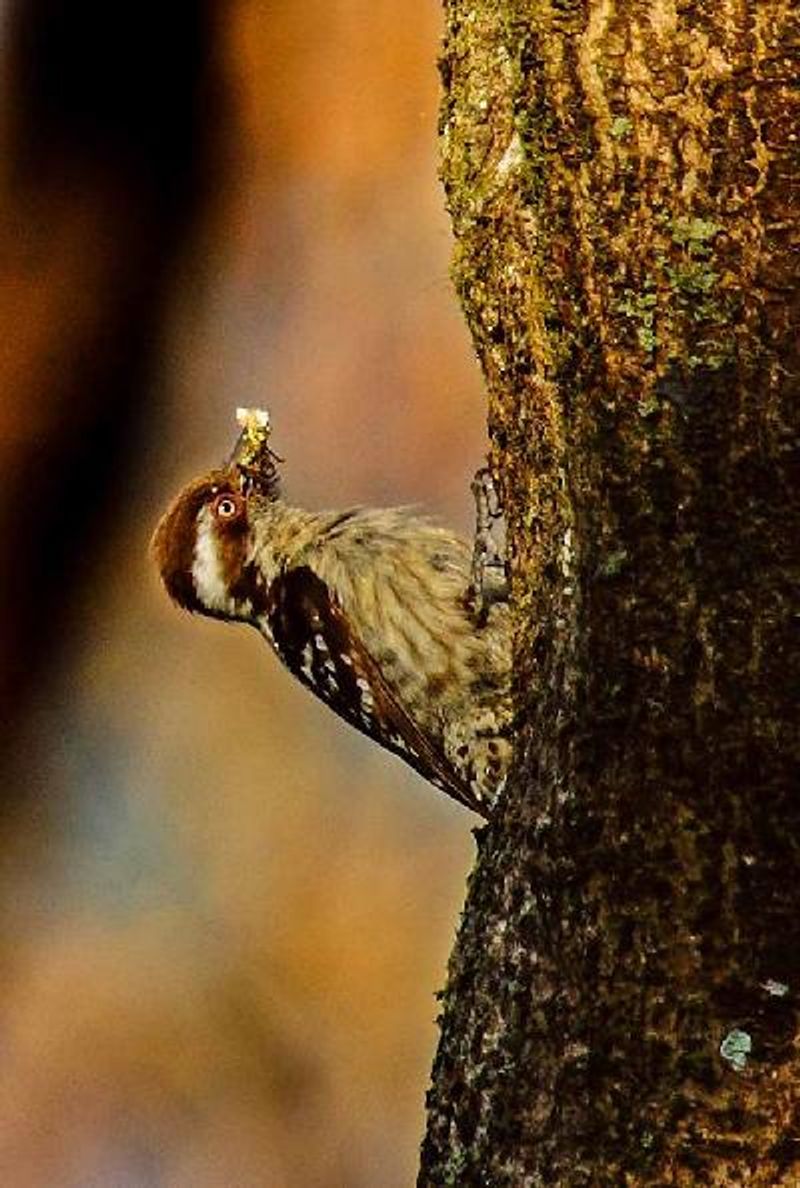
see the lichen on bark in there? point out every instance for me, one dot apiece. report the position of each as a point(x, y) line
point(623, 186)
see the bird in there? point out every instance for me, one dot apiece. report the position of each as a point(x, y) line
point(394, 622)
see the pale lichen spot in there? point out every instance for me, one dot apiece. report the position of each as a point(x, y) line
point(735, 1049)
point(775, 989)
point(513, 157)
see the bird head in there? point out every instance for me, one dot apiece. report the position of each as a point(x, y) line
point(204, 543)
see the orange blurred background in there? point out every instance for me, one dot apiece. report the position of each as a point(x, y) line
point(225, 915)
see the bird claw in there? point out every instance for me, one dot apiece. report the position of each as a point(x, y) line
point(489, 582)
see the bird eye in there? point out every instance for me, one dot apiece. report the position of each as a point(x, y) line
point(227, 506)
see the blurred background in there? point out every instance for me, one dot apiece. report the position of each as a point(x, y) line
point(224, 914)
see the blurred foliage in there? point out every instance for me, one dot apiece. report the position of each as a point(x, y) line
point(224, 914)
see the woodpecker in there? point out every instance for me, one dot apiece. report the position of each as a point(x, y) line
point(398, 625)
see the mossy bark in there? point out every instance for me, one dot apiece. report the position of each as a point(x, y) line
point(622, 1001)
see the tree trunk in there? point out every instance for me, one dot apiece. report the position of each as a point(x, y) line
point(622, 1001)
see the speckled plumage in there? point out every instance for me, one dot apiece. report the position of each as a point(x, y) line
point(372, 609)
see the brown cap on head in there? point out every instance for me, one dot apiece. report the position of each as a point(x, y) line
point(251, 474)
point(175, 538)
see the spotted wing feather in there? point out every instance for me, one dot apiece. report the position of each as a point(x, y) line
point(313, 638)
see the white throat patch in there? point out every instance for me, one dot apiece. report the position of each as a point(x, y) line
point(207, 574)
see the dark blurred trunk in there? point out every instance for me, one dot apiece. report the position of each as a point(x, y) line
point(622, 1000)
point(112, 114)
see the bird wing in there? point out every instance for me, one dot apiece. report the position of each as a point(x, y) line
point(313, 637)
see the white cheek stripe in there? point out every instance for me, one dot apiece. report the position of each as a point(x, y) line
point(209, 582)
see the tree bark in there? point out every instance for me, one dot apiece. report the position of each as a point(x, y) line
point(622, 1000)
